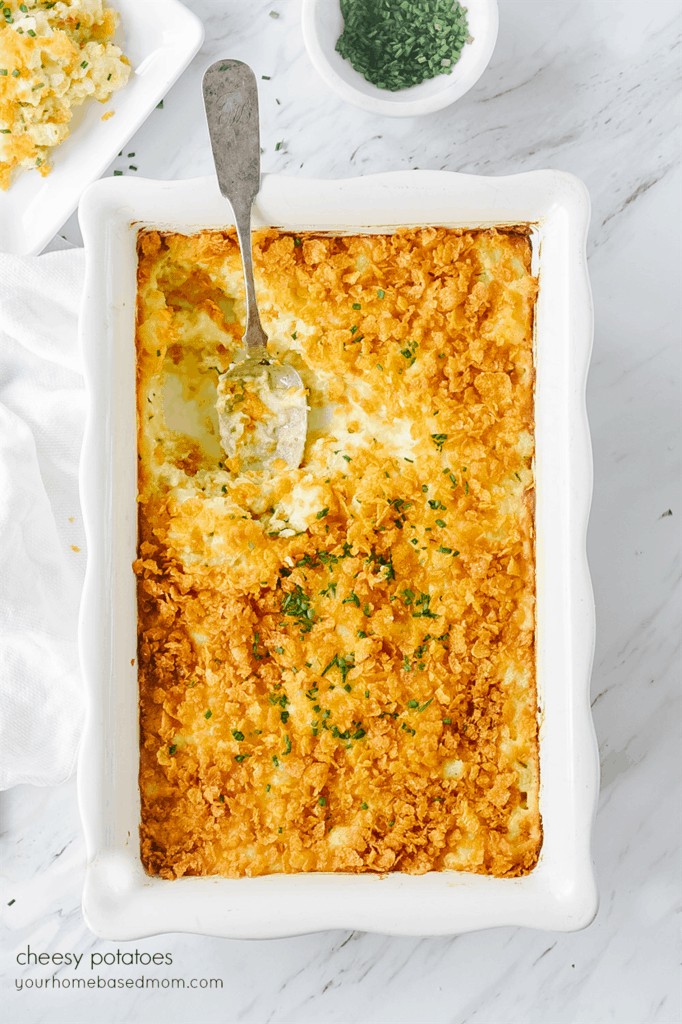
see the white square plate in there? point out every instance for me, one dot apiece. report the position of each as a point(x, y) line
point(122, 902)
point(159, 38)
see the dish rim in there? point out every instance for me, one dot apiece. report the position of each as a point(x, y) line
point(120, 901)
point(34, 208)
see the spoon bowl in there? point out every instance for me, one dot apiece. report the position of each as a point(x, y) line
point(262, 413)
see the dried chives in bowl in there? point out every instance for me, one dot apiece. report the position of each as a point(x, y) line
point(395, 44)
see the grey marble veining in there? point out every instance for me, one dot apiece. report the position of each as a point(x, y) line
point(591, 87)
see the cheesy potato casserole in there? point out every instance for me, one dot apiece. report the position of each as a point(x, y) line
point(53, 57)
point(337, 661)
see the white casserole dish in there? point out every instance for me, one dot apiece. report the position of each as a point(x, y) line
point(120, 901)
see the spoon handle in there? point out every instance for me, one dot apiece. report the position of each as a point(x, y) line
point(231, 102)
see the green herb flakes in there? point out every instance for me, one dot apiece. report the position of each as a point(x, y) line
point(296, 603)
point(396, 44)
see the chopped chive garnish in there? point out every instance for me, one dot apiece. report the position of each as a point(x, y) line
point(400, 44)
point(356, 305)
point(322, 513)
point(172, 749)
point(380, 293)
point(84, 63)
point(322, 801)
point(241, 757)
point(207, 714)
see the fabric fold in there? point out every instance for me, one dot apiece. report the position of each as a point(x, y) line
point(42, 548)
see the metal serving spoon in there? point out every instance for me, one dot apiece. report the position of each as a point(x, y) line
point(262, 410)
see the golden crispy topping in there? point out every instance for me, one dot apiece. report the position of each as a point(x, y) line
point(337, 662)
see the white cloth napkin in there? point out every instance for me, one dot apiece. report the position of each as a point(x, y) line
point(42, 551)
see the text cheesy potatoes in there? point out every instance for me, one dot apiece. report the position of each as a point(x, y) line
point(337, 662)
point(53, 57)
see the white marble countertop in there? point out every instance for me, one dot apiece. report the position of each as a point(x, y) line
point(589, 87)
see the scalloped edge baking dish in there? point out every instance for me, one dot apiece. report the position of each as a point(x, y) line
point(120, 901)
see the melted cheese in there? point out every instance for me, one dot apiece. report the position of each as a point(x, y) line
point(337, 662)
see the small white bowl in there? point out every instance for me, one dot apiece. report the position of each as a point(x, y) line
point(322, 24)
